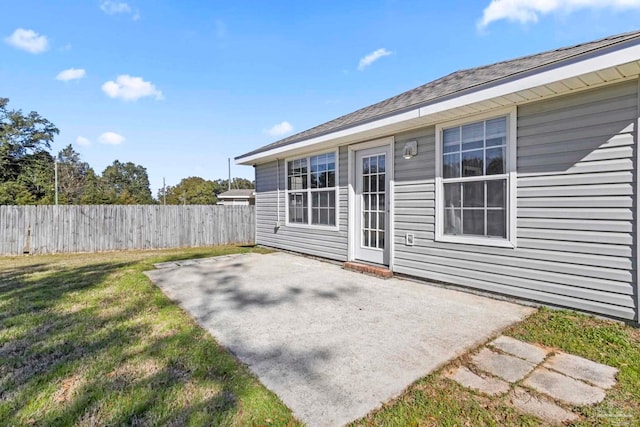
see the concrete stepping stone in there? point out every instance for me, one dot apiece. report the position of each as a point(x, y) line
point(564, 388)
point(579, 368)
point(485, 384)
point(542, 408)
point(507, 367)
point(169, 264)
point(523, 350)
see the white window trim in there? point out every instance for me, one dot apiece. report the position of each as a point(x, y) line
point(511, 204)
point(309, 213)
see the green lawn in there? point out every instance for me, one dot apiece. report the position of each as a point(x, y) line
point(88, 340)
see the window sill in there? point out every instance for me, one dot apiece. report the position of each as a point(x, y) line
point(313, 226)
point(478, 241)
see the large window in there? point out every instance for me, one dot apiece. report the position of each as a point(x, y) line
point(312, 190)
point(474, 181)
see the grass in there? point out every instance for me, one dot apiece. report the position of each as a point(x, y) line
point(438, 401)
point(88, 340)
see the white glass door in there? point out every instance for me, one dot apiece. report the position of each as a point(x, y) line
point(372, 204)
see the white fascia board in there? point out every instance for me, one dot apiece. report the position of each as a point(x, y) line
point(580, 67)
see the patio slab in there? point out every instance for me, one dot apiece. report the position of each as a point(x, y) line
point(332, 344)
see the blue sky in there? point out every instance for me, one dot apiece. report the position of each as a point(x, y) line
point(180, 86)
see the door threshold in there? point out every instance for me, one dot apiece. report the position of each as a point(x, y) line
point(370, 269)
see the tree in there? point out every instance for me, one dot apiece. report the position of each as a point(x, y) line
point(222, 185)
point(95, 191)
point(190, 191)
point(127, 183)
point(20, 137)
point(26, 167)
point(72, 175)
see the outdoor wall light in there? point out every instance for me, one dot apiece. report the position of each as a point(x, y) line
point(410, 149)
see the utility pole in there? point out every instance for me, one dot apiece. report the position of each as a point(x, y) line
point(229, 163)
point(55, 168)
point(164, 192)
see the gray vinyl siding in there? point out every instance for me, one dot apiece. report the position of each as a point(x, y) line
point(326, 243)
point(575, 208)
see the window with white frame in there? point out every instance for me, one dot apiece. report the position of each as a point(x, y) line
point(474, 180)
point(312, 190)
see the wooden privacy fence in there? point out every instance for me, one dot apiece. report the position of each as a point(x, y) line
point(96, 228)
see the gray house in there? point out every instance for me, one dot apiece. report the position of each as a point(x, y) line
point(517, 178)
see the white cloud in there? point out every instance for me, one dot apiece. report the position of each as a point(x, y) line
point(280, 129)
point(81, 140)
point(524, 11)
point(114, 7)
point(130, 88)
point(372, 57)
point(111, 138)
point(111, 7)
point(71, 74)
point(28, 40)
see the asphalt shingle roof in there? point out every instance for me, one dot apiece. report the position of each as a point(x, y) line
point(451, 84)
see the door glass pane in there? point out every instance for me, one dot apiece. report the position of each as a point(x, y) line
point(365, 184)
point(381, 206)
point(374, 221)
point(374, 202)
point(365, 202)
point(373, 162)
point(381, 223)
point(381, 163)
point(373, 184)
point(473, 221)
point(381, 182)
point(373, 239)
point(365, 165)
point(365, 238)
point(381, 239)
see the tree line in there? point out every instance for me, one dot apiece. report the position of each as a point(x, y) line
point(27, 171)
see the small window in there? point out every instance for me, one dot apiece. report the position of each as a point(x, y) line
point(312, 190)
point(474, 181)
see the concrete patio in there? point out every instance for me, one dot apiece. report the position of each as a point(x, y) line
point(332, 344)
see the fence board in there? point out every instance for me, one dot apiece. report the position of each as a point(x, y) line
point(98, 228)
